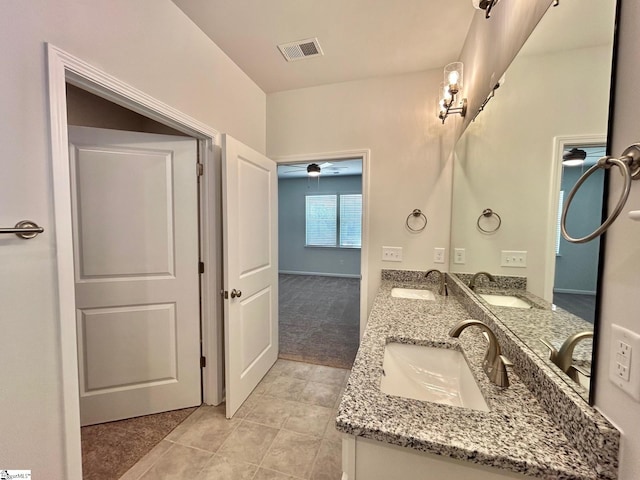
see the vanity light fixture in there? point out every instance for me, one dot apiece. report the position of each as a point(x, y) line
point(574, 157)
point(485, 5)
point(313, 170)
point(448, 101)
point(489, 97)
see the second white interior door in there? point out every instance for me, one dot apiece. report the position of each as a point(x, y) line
point(135, 209)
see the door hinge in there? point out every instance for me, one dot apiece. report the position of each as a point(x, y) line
point(203, 362)
point(201, 267)
point(199, 169)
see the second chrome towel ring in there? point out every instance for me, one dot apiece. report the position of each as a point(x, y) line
point(488, 213)
point(629, 165)
point(416, 221)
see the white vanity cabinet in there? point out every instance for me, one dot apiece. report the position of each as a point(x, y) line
point(364, 459)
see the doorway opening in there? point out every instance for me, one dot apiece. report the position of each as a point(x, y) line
point(320, 259)
point(64, 69)
point(576, 265)
point(131, 393)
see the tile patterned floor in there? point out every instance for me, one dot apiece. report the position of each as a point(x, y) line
point(284, 431)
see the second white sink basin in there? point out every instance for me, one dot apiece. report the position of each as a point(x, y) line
point(505, 301)
point(413, 293)
point(433, 374)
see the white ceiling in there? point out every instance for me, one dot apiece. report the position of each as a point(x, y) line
point(328, 169)
point(359, 38)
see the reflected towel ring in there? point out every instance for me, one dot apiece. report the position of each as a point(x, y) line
point(629, 165)
point(488, 213)
point(417, 213)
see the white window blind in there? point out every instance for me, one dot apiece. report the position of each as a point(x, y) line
point(559, 221)
point(351, 220)
point(321, 220)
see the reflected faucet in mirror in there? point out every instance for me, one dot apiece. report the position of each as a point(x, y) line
point(443, 282)
point(563, 358)
point(472, 282)
point(494, 364)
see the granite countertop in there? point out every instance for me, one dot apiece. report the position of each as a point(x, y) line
point(517, 434)
point(543, 321)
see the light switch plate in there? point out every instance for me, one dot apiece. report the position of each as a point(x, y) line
point(513, 258)
point(392, 254)
point(438, 255)
point(624, 368)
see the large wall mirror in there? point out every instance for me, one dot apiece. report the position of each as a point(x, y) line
point(554, 99)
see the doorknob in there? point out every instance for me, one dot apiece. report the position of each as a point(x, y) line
point(236, 293)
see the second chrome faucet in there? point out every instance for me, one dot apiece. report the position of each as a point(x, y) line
point(472, 282)
point(443, 281)
point(494, 363)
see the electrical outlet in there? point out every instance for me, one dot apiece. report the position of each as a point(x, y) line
point(438, 255)
point(392, 254)
point(459, 255)
point(512, 258)
point(624, 368)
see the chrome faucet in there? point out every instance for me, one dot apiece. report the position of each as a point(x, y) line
point(563, 358)
point(443, 282)
point(494, 363)
point(472, 282)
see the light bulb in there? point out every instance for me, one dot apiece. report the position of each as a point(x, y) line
point(453, 76)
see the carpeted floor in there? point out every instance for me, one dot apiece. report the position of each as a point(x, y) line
point(583, 306)
point(110, 449)
point(319, 319)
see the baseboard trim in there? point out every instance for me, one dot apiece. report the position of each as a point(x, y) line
point(574, 292)
point(320, 274)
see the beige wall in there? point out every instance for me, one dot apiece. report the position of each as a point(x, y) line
point(620, 298)
point(149, 44)
point(395, 118)
point(505, 160)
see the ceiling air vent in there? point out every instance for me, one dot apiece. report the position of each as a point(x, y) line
point(300, 49)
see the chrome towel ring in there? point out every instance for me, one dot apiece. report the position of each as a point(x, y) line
point(419, 217)
point(488, 213)
point(24, 229)
point(629, 165)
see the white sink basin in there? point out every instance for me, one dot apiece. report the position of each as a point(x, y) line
point(505, 301)
point(437, 375)
point(413, 293)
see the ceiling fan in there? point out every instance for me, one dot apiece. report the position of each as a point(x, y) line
point(576, 156)
point(313, 169)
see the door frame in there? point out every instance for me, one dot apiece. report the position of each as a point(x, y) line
point(365, 155)
point(555, 180)
point(65, 68)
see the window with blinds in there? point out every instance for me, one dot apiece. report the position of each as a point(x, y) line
point(333, 220)
point(351, 221)
point(321, 220)
point(559, 222)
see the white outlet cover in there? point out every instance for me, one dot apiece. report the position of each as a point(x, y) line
point(438, 255)
point(625, 360)
point(459, 256)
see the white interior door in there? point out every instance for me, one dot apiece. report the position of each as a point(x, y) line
point(134, 198)
point(250, 203)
